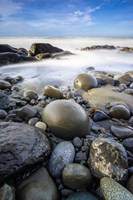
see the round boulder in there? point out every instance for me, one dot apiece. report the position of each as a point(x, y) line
point(53, 92)
point(85, 82)
point(119, 112)
point(108, 158)
point(76, 176)
point(66, 119)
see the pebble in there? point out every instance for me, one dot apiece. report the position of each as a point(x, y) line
point(3, 114)
point(119, 112)
point(128, 144)
point(27, 112)
point(5, 85)
point(76, 176)
point(122, 132)
point(62, 155)
point(41, 125)
point(113, 190)
point(77, 142)
point(99, 116)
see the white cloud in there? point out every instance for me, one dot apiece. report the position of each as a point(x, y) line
point(9, 8)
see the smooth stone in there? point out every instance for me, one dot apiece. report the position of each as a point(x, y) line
point(129, 184)
point(33, 121)
point(82, 196)
point(39, 186)
point(5, 85)
point(119, 112)
point(128, 144)
point(122, 132)
point(21, 146)
point(62, 155)
point(122, 86)
point(30, 94)
point(41, 125)
point(76, 176)
point(66, 119)
point(99, 116)
point(38, 48)
point(85, 82)
point(7, 192)
point(66, 192)
point(77, 142)
point(129, 91)
point(113, 190)
point(108, 158)
point(80, 156)
point(53, 92)
point(4, 101)
point(27, 112)
point(3, 114)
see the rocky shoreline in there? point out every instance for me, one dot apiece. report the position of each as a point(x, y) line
point(74, 143)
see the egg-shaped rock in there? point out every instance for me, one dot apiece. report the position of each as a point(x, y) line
point(85, 81)
point(66, 119)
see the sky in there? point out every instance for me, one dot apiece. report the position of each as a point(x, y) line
point(66, 18)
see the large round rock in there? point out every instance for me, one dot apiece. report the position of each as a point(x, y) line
point(66, 119)
point(85, 82)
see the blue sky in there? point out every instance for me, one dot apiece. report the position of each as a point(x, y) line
point(61, 18)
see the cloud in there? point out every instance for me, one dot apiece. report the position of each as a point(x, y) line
point(9, 8)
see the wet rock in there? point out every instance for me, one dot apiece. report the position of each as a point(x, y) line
point(7, 48)
point(27, 112)
point(76, 176)
point(3, 114)
point(66, 192)
point(122, 132)
point(22, 51)
point(62, 155)
point(61, 54)
point(7, 192)
point(33, 121)
point(129, 91)
point(85, 82)
point(80, 156)
point(9, 58)
point(119, 112)
point(113, 190)
point(5, 85)
point(38, 48)
point(127, 79)
point(82, 196)
point(4, 101)
point(21, 146)
point(99, 116)
point(41, 125)
point(41, 56)
point(77, 142)
point(99, 47)
point(126, 49)
point(108, 158)
point(13, 118)
point(38, 186)
point(129, 184)
point(128, 144)
point(51, 91)
point(71, 119)
point(30, 94)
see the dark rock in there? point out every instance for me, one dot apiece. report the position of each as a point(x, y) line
point(108, 158)
point(71, 119)
point(66, 192)
point(129, 184)
point(41, 56)
point(4, 85)
point(98, 47)
point(7, 48)
point(77, 142)
point(9, 58)
point(82, 196)
point(7, 192)
point(4, 101)
point(99, 116)
point(85, 82)
point(119, 112)
point(126, 49)
point(113, 190)
point(127, 79)
point(21, 146)
point(129, 91)
point(62, 155)
point(38, 48)
point(38, 186)
point(22, 51)
point(122, 132)
point(3, 114)
point(13, 118)
point(76, 176)
point(27, 112)
point(128, 144)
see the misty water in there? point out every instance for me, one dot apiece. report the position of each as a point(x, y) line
point(62, 71)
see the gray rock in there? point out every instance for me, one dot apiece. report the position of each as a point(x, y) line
point(7, 192)
point(113, 190)
point(5, 85)
point(53, 92)
point(30, 94)
point(62, 155)
point(108, 158)
point(122, 86)
point(38, 48)
point(80, 156)
point(77, 142)
point(39, 186)
point(127, 79)
point(99, 116)
point(27, 112)
point(21, 146)
point(82, 196)
point(119, 112)
point(129, 91)
point(4, 101)
point(99, 47)
point(71, 119)
point(129, 184)
point(3, 114)
point(122, 132)
point(33, 121)
point(76, 176)
point(128, 144)
point(85, 82)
